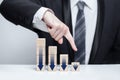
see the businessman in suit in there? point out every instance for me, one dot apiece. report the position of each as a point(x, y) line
point(98, 40)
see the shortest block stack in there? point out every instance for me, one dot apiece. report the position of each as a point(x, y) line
point(75, 66)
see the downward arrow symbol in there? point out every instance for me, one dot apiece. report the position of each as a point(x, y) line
point(64, 64)
point(75, 66)
point(40, 60)
point(52, 65)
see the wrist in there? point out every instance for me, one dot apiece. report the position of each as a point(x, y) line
point(46, 15)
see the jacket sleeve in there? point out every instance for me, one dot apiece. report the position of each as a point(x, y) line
point(20, 12)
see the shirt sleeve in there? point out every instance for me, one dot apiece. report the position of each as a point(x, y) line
point(37, 20)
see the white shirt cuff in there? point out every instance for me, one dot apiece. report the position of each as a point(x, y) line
point(37, 20)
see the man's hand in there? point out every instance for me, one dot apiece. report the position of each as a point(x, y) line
point(58, 29)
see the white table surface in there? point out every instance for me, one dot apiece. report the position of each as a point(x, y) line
point(87, 72)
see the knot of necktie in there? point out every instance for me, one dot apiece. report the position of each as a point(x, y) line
point(81, 5)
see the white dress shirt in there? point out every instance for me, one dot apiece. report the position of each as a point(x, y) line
point(90, 12)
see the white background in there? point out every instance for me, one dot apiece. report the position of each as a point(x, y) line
point(17, 44)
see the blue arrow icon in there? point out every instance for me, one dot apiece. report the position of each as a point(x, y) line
point(40, 60)
point(75, 66)
point(52, 65)
point(64, 64)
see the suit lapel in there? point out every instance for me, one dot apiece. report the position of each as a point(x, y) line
point(67, 13)
point(98, 32)
point(67, 20)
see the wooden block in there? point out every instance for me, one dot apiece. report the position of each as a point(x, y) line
point(41, 44)
point(52, 50)
point(38, 59)
point(50, 69)
point(64, 62)
point(52, 63)
point(42, 64)
point(38, 69)
point(40, 53)
point(75, 66)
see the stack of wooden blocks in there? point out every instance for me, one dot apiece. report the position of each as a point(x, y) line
point(52, 63)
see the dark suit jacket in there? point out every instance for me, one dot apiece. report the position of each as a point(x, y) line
point(106, 46)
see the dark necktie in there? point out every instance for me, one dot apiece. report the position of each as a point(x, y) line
point(80, 32)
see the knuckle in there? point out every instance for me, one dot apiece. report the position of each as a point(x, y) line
point(66, 29)
point(60, 26)
point(56, 39)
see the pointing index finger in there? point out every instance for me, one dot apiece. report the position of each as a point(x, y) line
point(70, 39)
